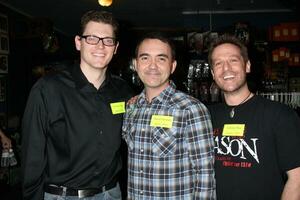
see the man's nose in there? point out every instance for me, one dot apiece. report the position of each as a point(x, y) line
point(100, 44)
point(226, 65)
point(153, 64)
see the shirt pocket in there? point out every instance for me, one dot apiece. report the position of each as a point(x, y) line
point(163, 142)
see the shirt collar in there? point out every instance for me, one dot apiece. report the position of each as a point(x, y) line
point(81, 81)
point(163, 98)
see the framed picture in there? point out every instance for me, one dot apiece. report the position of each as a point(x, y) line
point(3, 64)
point(4, 44)
point(3, 24)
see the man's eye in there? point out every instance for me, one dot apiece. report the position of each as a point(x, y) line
point(92, 39)
point(110, 41)
point(217, 64)
point(161, 59)
point(144, 58)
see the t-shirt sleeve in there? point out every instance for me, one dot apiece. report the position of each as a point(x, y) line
point(287, 130)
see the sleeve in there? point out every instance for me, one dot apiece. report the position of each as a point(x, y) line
point(125, 120)
point(287, 128)
point(33, 145)
point(127, 125)
point(201, 150)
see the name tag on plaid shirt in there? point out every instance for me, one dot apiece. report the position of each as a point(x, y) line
point(161, 121)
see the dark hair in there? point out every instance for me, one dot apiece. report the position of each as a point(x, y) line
point(99, 16)
point(229, 39)
point(159, 36)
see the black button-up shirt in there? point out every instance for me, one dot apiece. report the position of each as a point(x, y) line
point(70, 135)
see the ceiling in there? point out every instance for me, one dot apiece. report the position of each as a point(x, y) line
point(65, 14)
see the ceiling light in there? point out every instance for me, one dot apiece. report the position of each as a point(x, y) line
point(105, 2)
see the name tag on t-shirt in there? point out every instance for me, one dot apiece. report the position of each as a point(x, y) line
point(161, 121)
point(117, 107)
point(233, 130)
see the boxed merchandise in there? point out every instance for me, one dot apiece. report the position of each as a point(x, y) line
point(289, 31)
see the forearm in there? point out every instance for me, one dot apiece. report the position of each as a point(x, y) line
point(291, 189)
point(291, 192)
point(1, 134)
point(5, 141)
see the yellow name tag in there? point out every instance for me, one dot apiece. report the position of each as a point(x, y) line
point(234, 130)
point(118, 107)
point(161, 121)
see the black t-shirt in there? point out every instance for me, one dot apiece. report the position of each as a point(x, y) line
point(253, 165)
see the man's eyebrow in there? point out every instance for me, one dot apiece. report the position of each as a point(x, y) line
point(159, 55)
point(143, 54)
point(163, 55)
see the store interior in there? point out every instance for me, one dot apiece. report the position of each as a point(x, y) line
point(36, 37)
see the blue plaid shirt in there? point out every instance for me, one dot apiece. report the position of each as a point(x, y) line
point(169, 163)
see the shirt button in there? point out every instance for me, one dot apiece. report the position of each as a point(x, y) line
point(100, 132)
point(142, 150)
point(141, 192)
point(141, 171)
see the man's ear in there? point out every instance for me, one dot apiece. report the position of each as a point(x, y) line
point(134, 64)
point(77, 40)
point(212, 73)
point(116, 48)
point(248, 66)
point(174, 64)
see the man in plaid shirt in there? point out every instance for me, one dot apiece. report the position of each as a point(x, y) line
point(169, 134)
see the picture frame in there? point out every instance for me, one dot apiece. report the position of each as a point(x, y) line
point(4, 44)
point(3, 63)
point(3, 24)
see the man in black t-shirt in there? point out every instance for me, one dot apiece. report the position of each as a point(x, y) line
point(257, 141)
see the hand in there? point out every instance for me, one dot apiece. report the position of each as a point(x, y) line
point(132, 100)
point(6, 142)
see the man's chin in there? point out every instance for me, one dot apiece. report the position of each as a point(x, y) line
point(102, 66)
